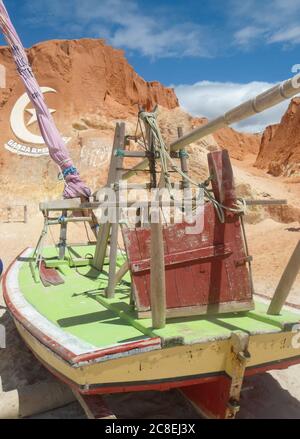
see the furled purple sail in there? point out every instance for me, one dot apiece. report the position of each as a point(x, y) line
point(74, 186)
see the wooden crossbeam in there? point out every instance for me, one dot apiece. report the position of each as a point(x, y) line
point(266, 202)
point(57, 205)
point(76, 205)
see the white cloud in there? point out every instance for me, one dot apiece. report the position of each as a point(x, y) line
point(291, 35)
point(246, 35)
point(268, 22)
point(145, 37)
point(162, 33)
point(126, 26)
point(212, 99)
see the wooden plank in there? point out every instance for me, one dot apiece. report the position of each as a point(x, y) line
point(135, 154)
point(49, 276)
point(55, 263)
point(139, 167)
point(54, 222)
point(217, 308)
point(113, 251)
point(222, 178)
point(157, 276)
point(157, 266)
point(121, 272)
point(63, 237)
point(213, 251)
point(104, 229)
point(101, 246)
point(71, 204)
point(286, 282)
point(78, 262)
point(94, 406)
point(106, 204)
point(265, 202)
point(218, 275)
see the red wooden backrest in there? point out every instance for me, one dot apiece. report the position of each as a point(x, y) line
point(205, 272)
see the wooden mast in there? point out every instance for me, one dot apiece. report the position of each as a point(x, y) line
point(157, 269)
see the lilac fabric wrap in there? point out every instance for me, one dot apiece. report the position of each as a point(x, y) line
point(74, 186)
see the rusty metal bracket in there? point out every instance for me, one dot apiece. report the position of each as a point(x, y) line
point(236, 364)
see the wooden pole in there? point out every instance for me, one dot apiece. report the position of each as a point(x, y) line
point(63, 237)
point(25, 214)
point(94, 406)
point(286, 282)
point(9, 214)
point(183, 161)
point(157, 276)
point(121, 272)
point(113, 252)
point(157, 268)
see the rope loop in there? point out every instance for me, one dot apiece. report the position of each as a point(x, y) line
point(161, 150)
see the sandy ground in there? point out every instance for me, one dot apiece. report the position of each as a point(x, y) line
point(261, 182)
point(271, 395)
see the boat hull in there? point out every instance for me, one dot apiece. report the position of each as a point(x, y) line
point(148, 363)
point(160, 370)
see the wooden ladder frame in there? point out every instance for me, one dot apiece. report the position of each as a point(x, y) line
point(108, 232)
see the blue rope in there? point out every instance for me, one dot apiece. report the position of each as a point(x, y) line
point(70, 171)
point(120, 153)
point(183, 154)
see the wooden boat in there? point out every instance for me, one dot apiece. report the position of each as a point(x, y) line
point(183, 316)
point(98, 346)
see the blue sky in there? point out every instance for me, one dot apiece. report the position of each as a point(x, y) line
point(215, 53)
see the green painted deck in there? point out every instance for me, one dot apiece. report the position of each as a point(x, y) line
point(80, 308)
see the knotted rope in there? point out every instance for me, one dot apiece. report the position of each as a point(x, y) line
point(162, 151)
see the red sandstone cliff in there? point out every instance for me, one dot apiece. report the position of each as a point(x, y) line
point(95, 86)
point(90, 75)
point(280, 147)
point(238, 144)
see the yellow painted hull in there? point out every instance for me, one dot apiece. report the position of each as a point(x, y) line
point(172, 367)
point(185, 353)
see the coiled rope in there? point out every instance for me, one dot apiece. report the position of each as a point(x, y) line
point(162, 150)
